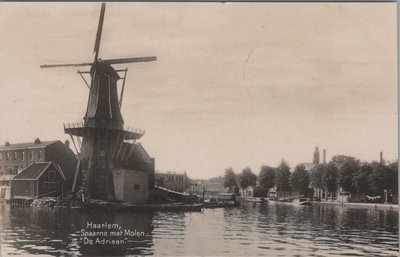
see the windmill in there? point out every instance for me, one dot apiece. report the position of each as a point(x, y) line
point(102, 142)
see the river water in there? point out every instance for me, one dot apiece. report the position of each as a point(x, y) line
point(250, 230)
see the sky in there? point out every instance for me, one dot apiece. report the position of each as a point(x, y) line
point(234, 85)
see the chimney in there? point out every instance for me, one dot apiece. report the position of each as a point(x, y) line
point(381, 157)
point(37, 141)
point(7, 143)
point(324, 156)
point(67, 143)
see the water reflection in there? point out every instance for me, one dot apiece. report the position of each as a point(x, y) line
point(253, 229)
point(39, 231)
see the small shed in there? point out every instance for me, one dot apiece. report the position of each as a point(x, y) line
point(272, 193)
point(38, 180)
point(248, 191)
point(131, 185)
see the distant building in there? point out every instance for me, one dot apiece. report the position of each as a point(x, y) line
point(271, 194)
point(39, 179)
point(212, 186)
point(172, 181)
point(198, 185)
point(5, 181)
point(14, 158)
point(215, 185)
point(248, 191)
point(316, 160)
point(316, 156)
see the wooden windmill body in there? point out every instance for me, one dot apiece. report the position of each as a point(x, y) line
point(102, 141)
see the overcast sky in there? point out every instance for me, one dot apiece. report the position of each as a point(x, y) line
point(235, 85)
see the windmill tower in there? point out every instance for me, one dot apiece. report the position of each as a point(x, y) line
point(103, 143)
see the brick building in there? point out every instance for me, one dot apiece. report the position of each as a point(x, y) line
point(172, 181)
point(14, 158)
point(212, 186)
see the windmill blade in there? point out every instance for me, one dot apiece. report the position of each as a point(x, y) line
point(99, 31)
point(130, 60)
point(66, 65)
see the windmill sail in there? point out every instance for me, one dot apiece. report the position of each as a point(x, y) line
point(99, 31)
point(66, 65)
point(130, 60)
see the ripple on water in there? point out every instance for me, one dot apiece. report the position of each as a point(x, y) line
point(251, 230)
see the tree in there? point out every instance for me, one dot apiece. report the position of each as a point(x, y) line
point(230, 179)
point(360, 179)
point(330, 177)
point(266, 177)
point(247, 178)
point(316, 176)
point(347, 169)
point(378, 178)
point(300, 180)
point(393, 177)
point(282, 177)
point(259, 192)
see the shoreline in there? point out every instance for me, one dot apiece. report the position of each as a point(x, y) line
point(378, 206)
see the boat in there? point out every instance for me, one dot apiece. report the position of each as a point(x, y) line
point(209, 205)
point(285, 200)
point(92, 203)
point(256, 200)
point(302, 201)
point(222, 200)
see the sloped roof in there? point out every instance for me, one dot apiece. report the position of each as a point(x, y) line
point(249, 188)
point(140, 154)
point(35, 170)
point(26, 145)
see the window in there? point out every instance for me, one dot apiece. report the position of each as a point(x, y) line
point(40, 154)
point(15, 169)
point(23, 156)
point(8, 156)
point(50, 185)
point(31, 155)
point(52, 175)
point(102, 153)
point(51, 180)
point(1, 156)
point(15, 156)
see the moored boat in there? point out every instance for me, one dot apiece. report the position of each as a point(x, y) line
point(256, 200)
point(302, 201)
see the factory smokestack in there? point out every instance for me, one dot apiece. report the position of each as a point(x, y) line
point(324, 156)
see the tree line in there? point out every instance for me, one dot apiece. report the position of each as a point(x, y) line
point(345, 172)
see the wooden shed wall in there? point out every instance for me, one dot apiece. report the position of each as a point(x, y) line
point(23, 189)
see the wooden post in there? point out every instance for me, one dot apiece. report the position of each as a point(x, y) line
point(204, 191)
point(122, 90)
point(80, 73)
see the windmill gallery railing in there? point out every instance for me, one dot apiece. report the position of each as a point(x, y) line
point(77, 125)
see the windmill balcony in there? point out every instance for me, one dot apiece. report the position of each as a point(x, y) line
point(79, 128)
